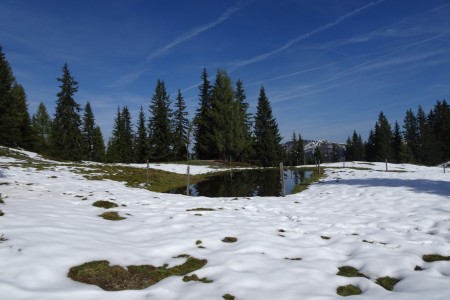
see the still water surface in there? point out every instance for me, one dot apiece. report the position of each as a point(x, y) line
point(246, 183)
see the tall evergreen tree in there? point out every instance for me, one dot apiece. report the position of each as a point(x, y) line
point(223, 116)
point(292, 151)
point(180, 147)
point(21, 125)
point(66, 138)
point(7, 135)
point(397, 145)
point(300, 151)
point(161, 137)
point(370, 146)
point(383, 139)
point(428, 152)
point(439, 123)
point(41, 124)
point(120, 146)
point(87, 129)
point(202, 123)
point(334, 153)
point(411, 136)
point(354, 148)
point(267, 137)
point(141, 148)
point(98, 148)
point(242, 124)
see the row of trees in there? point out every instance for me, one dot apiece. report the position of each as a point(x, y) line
point(425, 138)
point(222, 127)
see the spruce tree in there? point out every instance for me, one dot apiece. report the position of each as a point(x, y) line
point(242, 124)
point(223, 117)
point(120, 146)
point(383, 139)
point(397, 145)
point(267, 137)
point(7, 135)
point(411, 136)
point(370, 146)
point(41, 124)
point(98, 149)
point(141, 148)
point(300, 151)
point(202, 123)
point(292, 151)
point(334, 153)
point(428, 152)
point(66, 138)
point(160, 131)
point(87, 129)
point(22, 130)
point(180, 146)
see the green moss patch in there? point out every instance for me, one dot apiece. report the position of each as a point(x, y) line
point(435, 257)
point(112, 216)
point(194, 277)
point(104, 204)
point(228, 297)
point(348, 290)
point(117, 278)
point(229, 239)
point(348, 271)
point(387, 282)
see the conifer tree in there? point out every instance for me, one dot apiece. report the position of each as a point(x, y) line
point(267, 137)
point(411, 136)
point(300, 151)
point(318, 155)
point(22, 130)
point(223, 116)
point(334, 153)
point(87, 129)
point(98, 149)
point(180, 147)
point(120, 146)
point(383, 139)
point(439, 122)
point(160, 131)
point(370, 146)
point(397, 145)
point(242, 124)
point(7, 136)
point(292, 153)
point(202, 123)
point(141, 148)
point(66, 138)
point(41, 124)
point(428, 150)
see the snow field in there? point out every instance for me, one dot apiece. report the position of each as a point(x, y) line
point(378, 222)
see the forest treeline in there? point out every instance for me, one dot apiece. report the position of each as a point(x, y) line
point(222, 127)
point(422, 139)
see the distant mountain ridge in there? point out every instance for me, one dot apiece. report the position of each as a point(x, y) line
point(325, 146)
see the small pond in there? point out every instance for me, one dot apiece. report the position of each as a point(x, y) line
point(246, 183)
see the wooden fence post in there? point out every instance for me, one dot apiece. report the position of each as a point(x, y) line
point(146, 183)
point(283, 188)
point(187, 181)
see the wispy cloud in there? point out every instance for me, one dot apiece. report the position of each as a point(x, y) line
point(196, 31)
point(302, 37)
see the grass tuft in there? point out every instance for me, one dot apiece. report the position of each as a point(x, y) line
point(112, 216)
point(117, 278)
point(201, 209)
point(387, 282)
point(348, 290)
point(229, 239)
point(435, 257)
point(228, 297)
point(104, 204)
point(348, 271)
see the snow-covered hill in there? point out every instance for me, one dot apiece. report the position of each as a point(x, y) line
point(380, 223)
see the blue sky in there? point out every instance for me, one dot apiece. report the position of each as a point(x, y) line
point(328, 66)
